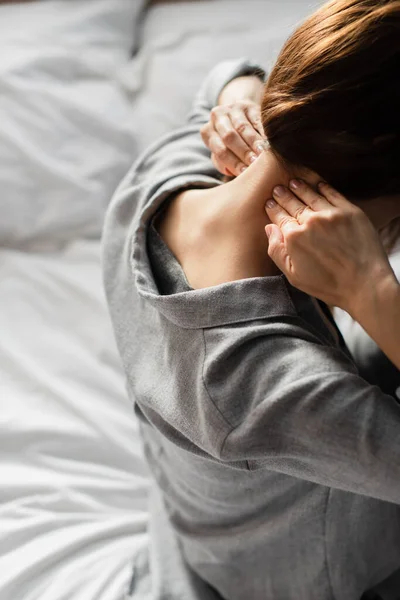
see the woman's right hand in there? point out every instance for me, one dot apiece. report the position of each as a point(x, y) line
point(234, 132)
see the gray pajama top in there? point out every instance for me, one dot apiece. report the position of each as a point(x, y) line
point(277, 467)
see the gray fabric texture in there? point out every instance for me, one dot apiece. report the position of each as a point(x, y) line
point(276, 465)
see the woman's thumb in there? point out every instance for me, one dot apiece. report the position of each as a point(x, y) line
point(276, 246)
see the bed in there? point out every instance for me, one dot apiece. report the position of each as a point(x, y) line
point(85, 85)
point(73, 484)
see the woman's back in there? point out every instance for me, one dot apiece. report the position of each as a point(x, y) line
point(227, 412)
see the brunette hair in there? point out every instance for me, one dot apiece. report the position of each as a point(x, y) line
point(332, 102)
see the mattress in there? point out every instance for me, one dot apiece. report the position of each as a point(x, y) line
point(73, 483)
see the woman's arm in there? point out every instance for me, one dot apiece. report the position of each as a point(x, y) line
point(379, 315)
point(232, 135)
point(350, 268)
point(178, 161)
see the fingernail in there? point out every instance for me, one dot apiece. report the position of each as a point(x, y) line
point(295, 184)
point(270, 203)
point(259, 148)
point(279, 190)
point(243, 169)
point(252, 158)
point(267, 231)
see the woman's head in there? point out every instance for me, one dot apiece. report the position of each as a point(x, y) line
point(332, 102)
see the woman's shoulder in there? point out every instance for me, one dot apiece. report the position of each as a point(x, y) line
point(213, 240)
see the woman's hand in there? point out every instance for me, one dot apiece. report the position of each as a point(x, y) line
point(234, 133)
point(325, 245)
point(328, 248)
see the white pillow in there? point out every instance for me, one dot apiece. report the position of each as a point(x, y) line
point(182, 41)
point(65, 135)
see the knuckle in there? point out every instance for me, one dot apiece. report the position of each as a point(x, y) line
point(333, 218)
point(331, 191)
point(241, 127)
point(286, 222)
point(221, 153)
point(252, 137)
point(214, 144)
point(299, 212)
point(228, 136)
point(252, 140)
point(315, 219)
point(356, 212)
point(245, 104)
point(313, 200)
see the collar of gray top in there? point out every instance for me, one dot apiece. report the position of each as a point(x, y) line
point(233, 302)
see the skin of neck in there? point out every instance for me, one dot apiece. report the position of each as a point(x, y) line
point(229, 223)
point(238, 214)
point(258, 181)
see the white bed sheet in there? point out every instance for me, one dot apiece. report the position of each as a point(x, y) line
point(67, 135)
point(181, 42)
point(73, 484)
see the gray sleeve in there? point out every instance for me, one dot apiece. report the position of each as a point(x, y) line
point(213, 85)
point(308, 414)
point(180, 159)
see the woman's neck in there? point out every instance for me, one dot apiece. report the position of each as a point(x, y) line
point(237, 217)
point(254, 187)
point(218, 234)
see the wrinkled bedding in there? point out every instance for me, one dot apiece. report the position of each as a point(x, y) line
point(182, 41)
point(67, 135)
point(73, 484)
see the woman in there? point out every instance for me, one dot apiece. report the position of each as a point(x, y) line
point(276, 466)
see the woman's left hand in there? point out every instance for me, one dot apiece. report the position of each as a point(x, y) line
point(328, 248)
point(325, 245)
